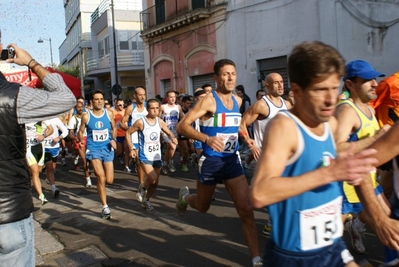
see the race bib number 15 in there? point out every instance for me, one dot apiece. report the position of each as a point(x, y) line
point(319, 226)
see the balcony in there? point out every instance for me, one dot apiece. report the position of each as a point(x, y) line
point(134, 58)
point(162, 18)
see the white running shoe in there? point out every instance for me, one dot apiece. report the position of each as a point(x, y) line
point(106, 213)
point(63, 162)
point(127, 169)
point(140, 195)
point(88, 182)
point(76, 160)
point(171, 166)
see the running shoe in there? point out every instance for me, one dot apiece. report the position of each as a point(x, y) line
point(88, 182)
point(193, 159)
point(268, 228)
point(127, 169)
point(146, 204)
point(356, 236)
point(184, 168)
point(76, 160)
point(63, 162)
point(171, 166)
point(181, 205)
point(106, 213)
point(140, 195)
point(165, 169)
point(56, 192)
point(258, 264)
point(43, 199)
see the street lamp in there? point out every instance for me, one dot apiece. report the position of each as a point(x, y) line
point(51, 48)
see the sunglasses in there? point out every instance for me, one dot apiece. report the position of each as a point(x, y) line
point(120, 105)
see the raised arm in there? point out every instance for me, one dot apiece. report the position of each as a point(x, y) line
point(125, 118)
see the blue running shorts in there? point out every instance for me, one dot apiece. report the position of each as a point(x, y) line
point(213, 170)
point(105, 155)
point(336, 255)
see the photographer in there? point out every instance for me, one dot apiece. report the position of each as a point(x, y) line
point(20, 105)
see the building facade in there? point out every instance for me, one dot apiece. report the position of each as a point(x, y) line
point(184, 38)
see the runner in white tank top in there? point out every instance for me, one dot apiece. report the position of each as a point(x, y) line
point(171, 113)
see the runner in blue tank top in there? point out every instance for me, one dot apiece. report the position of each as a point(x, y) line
point(298, 171)
point(219, 119)
point(100, 144)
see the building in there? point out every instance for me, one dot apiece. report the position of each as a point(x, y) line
point(92, 37)
point(184, 38)
point(76, 47)
point(128, 57)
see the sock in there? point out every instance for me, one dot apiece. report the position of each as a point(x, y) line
point(53, 186)
point(105, 206)
point(255, 260)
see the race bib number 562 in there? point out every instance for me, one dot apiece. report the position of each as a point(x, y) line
point(319, 226)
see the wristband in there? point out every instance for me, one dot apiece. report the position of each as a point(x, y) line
point(30, 62)
point(44, 134)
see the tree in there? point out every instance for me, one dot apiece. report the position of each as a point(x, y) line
point(74, 71)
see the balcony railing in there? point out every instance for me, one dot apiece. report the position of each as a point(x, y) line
point(166, 16)
point(134, 58)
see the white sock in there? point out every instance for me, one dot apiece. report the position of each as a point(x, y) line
point(255, 260)
point(53, 186)
point(105, 206)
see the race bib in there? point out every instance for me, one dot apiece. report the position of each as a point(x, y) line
point(47, 142)
point(319, 226)
point(230, 142)
point(100, 135)
point(152, 148)
point(31, 141)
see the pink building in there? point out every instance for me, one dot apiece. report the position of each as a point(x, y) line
point(182, 43)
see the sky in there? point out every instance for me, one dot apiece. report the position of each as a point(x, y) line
point(24, 22)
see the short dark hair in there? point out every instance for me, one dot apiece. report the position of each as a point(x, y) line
point(220, 64)
point(186, 98)
point(259, 91)
point(206, 85)
point(152, 100)
point(80, 97)
point(313, 60)
point(170, 91)
point(96, 91)
point(240, 88)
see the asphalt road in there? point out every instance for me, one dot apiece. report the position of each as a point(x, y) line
point(70, 231)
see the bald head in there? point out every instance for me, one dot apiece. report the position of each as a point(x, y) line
point(274, 84)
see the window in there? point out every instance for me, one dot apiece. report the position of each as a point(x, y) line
point(123, 40)
point(198, 4)
point(106, 45)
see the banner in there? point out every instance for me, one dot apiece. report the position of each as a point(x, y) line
point(22, 77)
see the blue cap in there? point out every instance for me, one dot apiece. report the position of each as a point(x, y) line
point(362, 69)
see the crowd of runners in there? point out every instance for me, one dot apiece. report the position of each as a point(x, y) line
point(316, 153)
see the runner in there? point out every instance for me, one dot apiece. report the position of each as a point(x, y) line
point(171, 113)
point(297, 176)
point(219, 121)
point(52, 150)
point(101, 134)
point(149, 130)
point(35, 134)
point(134, 112)
point(358, 125)
point(73, 127)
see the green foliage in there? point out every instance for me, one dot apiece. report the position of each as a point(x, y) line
point(74, 71)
